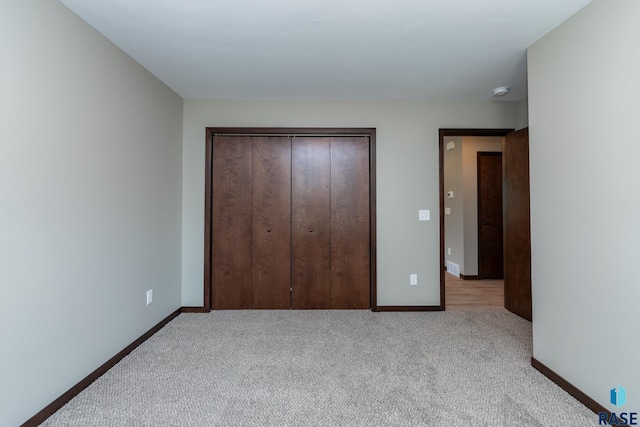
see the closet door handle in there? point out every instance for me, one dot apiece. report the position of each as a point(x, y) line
point(311, 230)
point(268, 230)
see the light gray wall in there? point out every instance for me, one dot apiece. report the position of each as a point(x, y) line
point(407, 177)
point(90, 194)
point(584, 93)
point(470, 147)
point(523, 114)
point(454, 223)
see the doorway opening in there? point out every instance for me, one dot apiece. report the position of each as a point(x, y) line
point(485, 243)
point(472, 220)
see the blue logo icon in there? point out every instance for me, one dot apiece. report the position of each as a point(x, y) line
point(618, 396)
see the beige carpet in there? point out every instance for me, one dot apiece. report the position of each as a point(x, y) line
point(329, 368)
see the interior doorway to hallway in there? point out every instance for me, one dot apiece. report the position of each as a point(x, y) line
point(475, 243)
point(473, 220)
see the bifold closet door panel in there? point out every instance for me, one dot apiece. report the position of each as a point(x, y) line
point(311, 223)
point(350, 238)
point(232, 223)
point(271, 222)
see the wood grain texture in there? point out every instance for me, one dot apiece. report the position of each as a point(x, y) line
point(350, 268)
point(473, 294)
point(391, 308)
point(490, 256)
point(517, 229)
point(232, 222)
point(373, 256)
point(271, 213)
point(217, 132)
point(311, 223)
point(208, 222)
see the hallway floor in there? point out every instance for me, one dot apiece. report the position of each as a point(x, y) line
point(473, 294)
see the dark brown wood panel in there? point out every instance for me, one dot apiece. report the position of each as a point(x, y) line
point(231, 230)
point(517, 230)
point(210, 181)
point(372, 221)
point(271, 222)
point(490, 257)
point(208, 221)
point(311, 223)
point(350, 260)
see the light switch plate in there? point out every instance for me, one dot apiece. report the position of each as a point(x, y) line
point(424, 215)
point(447, 211)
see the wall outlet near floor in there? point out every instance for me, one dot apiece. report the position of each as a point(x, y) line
point(413, 279)
point(149, 296)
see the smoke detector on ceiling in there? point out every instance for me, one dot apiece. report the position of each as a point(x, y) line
point(500, 91)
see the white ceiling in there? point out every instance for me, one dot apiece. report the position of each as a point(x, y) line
point(330, 49)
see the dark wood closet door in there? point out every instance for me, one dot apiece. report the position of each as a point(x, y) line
point(290, 222)
point(350, 246)
point(311, 223)
point(232, 222)
point(271, 222)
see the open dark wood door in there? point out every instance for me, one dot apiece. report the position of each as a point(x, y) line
point(517, 231)
point(490, 257)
